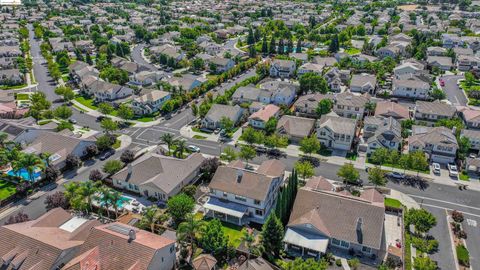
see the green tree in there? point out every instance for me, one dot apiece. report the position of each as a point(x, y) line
point(305, 169)
point(228, 154)
point(87, 190)
point(376, 176)
point(379, 156)
point(250, 136)
point(324, 107)
point(418, 161)
point(272, 235)
point(271, 125)
point(112, 166)
point(265, 45)
point(167, 138)
point(108, 125)
point(299, 46)
point(181, 146)
point(247, 153)
point(198, 64)
point(334, 44)
point(31, 162)
point(125, 112)
point(272, 48)
point(66, 92)
point(188, 230)
point(213, 239)
point(105, 108)
point(308, 264)
point(309, 145)
point(104, 142)
point(105, 198)
point(179, 206)
point(421, 219)
point(424, 263)
point(312, 82)
point(227, 124)
point(463, 146)
point(150, 217)
point(88, 59)
point(348, 173)
point(63, 112)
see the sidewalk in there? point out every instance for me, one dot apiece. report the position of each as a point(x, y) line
point(95, 113)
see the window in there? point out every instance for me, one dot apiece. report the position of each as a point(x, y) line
point(345, 244)
point(258, 212)
point(240, 198)
point(335, 242)
point(366, 250)
point(257, 202)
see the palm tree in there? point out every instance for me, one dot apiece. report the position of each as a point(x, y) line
point(115, 197)
point(87, 191)
point(31, 162)
point(150, 217)
point(189, 229)
point(181, 147)
point(46, 157)
point(167, 138)
point(105, 198)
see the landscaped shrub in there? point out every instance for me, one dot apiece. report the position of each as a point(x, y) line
point(457, 216)
point(425, 245)
point(463, 255)
point(338, 262)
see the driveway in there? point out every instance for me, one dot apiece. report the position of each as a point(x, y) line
point(454, 94)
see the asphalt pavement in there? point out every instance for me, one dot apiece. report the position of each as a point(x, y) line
point(454, 94)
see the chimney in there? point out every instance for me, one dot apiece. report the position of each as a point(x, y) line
point(239, 176)
point(131, 235)
point(359, 230)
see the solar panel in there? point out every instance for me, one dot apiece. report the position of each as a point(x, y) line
point(119, 229)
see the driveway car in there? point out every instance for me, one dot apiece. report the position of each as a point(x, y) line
point(452, 170)
point(193, 148)
point(107, 154)
point(436, 168)
point(396, 175)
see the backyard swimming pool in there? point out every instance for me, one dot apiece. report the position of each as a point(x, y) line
point(23, 173)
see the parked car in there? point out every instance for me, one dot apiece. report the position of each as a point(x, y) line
point(100, 118)
point(107, 154)
point(436, 168)
point(396, 175)
point(193, 148)
point(73, 121)
point(452, 170)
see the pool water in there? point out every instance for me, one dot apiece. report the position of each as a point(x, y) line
point(23, 173)
point(121, 202)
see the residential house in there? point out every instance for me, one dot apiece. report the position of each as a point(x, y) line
point(158, 176)
point(79, 70)
point(259, 118)
point(307, 105)
point(325, 61)
point(11, 77)
point(315, 224)
point(433, 111)
point(363, 83)
point(336, 132)
point(146, 78)
point(440, 62)
point(391, 109)
point(211, 48)
point(473, 137)
point(439, 143)
point(282, 68)
point(467, 62)
point(451, 41)
point(134, 249)
point(337, 79)
point(241, 196)
point(150, 102)
point(57, 144)
point(470, 116)
point(389, 51)
point(382, 132)
point(186, 82)
point(295, 128)
point(48, 242)
point(410, 86)
point(309, 68)
point(436, 51)
point(278, 92)
point(105, 91)
point(220, 64)
point(246, 94)
point(218, 111)
point(350, 105)
point(409, 67)
point(168, 50)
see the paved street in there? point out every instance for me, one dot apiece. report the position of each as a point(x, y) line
point(454, 94)
point(136, 57)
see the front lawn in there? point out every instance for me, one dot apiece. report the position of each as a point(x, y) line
point(145, 119)
point(464, 176)
point(12, 87)
point(23, 96)
point(87, 102)
point(7, 189)
point(393, 203)
point(199, 137)
point(352, 51)
point(117, 144)
point(463, 255)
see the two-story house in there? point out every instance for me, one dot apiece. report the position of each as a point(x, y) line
point(322, 218)
point(220, 64)
point(410, 86)
point(363, 83)
point(382, 132)
point(470, 116)
point(259, 118)
point(336, 132)
point(307, 105)
point(473, 137)
point(241, 196)
point(439, 143)
point(150, 102)
point(218, 111)
point(433, 111)
point(350, 105)
point(278, 93)
point(282, 68)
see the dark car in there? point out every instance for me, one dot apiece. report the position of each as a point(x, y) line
point(107, 154)
point(100, 118)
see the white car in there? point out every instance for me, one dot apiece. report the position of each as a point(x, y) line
point(436, 168)
point(452, 170)
point(193, 148)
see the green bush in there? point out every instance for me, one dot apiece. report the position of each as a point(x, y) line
point(425, 245)
point(463, 255)
point(338, 262)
